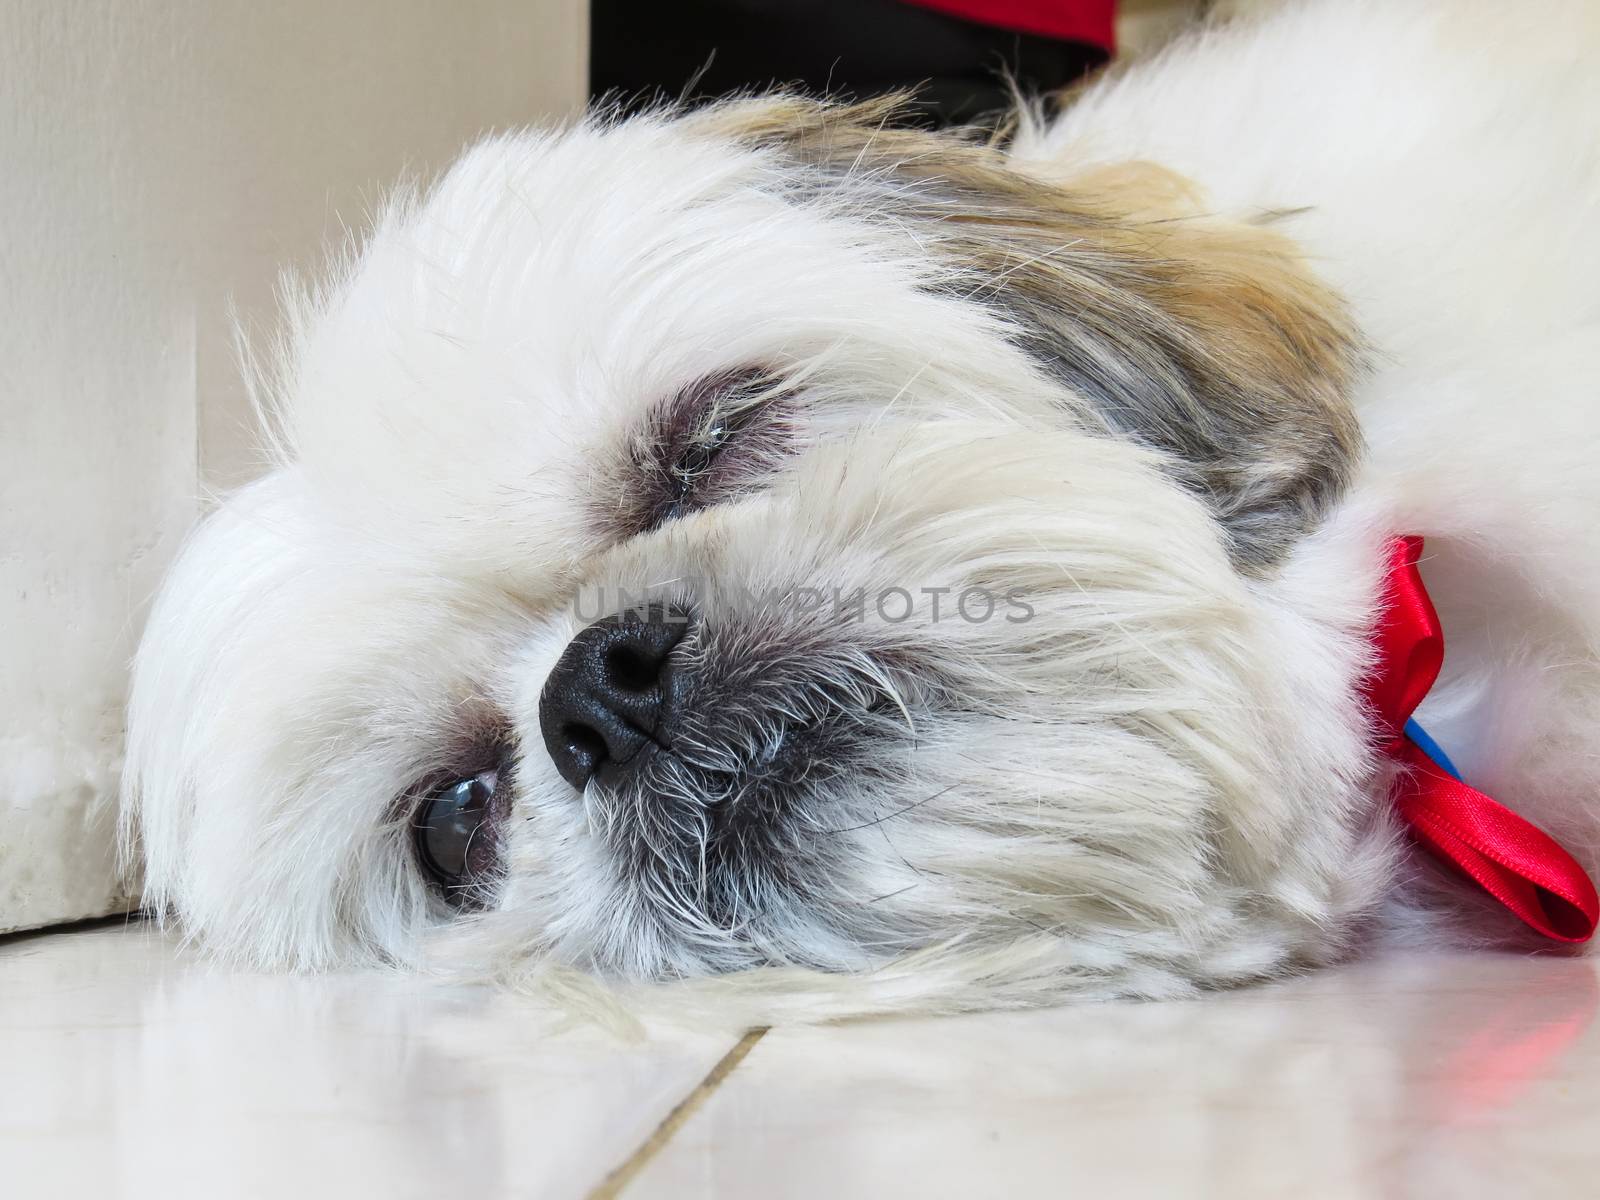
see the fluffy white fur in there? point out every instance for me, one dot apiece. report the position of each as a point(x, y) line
point(1162, 782)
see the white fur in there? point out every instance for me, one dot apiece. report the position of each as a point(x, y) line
point(1161, 782)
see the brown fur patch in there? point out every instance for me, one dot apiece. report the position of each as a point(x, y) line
point(1203, 338)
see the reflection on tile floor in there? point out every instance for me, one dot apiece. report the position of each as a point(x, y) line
point(1446, 1077)
point(131, 1070)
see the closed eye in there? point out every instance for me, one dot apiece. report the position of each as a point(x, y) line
point(718, 438)
point(692, 472)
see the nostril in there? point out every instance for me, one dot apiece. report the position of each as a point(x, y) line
point(632, 668)
point(585, 745)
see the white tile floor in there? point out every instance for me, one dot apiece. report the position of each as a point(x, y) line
point(128, 1069)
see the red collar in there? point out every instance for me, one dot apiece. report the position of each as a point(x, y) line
point(1516, 862)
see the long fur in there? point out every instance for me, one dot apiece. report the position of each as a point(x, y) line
point(1171, 369)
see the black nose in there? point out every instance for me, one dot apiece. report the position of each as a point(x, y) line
point(601, 711)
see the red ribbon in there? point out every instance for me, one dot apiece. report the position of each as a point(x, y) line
point(1092, 21)
point(1516, 862)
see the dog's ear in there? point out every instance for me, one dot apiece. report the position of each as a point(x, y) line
point(1205, 339)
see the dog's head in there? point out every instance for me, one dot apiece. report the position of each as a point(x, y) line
point(771, 536)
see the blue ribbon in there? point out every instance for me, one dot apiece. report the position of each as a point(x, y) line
point(1431, 748)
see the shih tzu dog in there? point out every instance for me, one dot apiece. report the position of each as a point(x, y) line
point(772, 542)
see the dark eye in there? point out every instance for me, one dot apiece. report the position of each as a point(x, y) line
point(454, 837)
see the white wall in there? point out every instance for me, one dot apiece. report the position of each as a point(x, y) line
point(160, 159)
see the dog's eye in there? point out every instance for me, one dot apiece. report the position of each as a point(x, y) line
point(454, 848)
point(710, 443)
point(697, 459)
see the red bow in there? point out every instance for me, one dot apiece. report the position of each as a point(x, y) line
point(1516, 862)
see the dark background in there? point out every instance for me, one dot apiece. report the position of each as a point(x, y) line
point(646, 51)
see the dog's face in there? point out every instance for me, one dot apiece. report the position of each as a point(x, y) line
point(764, 537)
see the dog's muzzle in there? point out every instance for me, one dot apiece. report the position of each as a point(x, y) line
point(608, 706)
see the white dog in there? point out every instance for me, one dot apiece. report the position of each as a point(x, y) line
point(772, 538)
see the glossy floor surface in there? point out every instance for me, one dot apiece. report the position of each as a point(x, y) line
point(131, 1069)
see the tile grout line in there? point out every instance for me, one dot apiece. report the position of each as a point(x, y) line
point(622, 1175)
